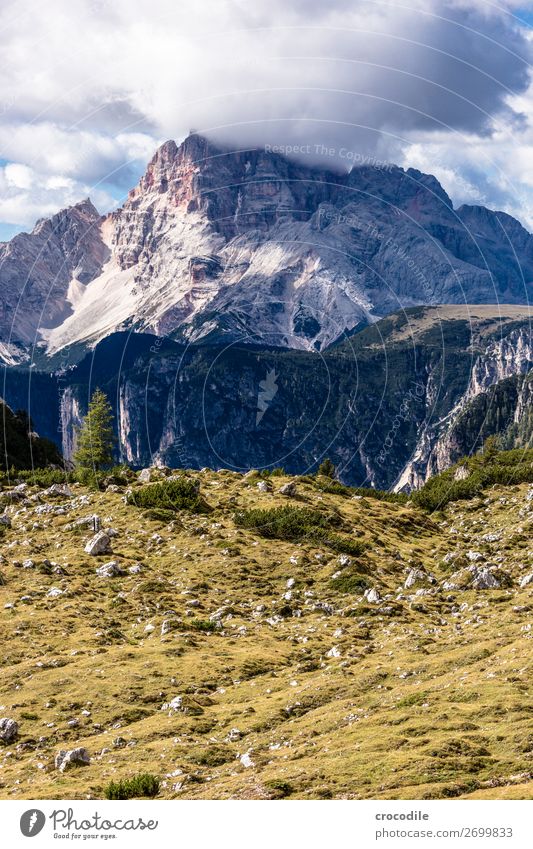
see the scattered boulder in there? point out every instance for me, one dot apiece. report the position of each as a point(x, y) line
point(110, 570)
point(264, 486)
point(10, 496)
point(169, 625)
point(334, 652)
point(417, 576)
point(461, 473)
point(99, 544)
point(372, 596)
point(234, 735)
point(494, 537)
point(145, 475)
point(478, 578)
point(526, 580)
point(57, 490)
point(288, 489)
point(221, 613)
point(9, 730)
point(474, 556)
point(175, 704)
point(5, 520)
point(484, 579)
point(246, 760)
point(74, 757)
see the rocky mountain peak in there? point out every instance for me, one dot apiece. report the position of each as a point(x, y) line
point(221, 243)
point(82, 213)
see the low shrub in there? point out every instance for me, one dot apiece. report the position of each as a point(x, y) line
point(342, 545)
point(279, 789)
point(178, 493)
point(349, 584)
point(507, 468)
point(325, 484)
point(212, 756)
point(158, 515)
point(36, 477)
point(288, 523)
point(143, 785)
point(202, 625)
point(299, 524)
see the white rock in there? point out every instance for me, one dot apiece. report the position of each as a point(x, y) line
point(175, 704)
point(485, 580)
point(246, 760)
point(527, 579)
point(100, 543)
point(417, 576)
point(110, 570)
point(74, 757)
point(372, 596)
point(474, 556)
point(9, 730)
point(334, 652)
point(234, 735)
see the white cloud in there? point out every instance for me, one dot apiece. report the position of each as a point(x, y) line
point(26, 196)
point(89, 88)
point(18, 176)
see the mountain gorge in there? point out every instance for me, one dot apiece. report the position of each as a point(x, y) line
point(387, 405)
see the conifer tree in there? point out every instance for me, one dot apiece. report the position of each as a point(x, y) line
point(327, 468)
point(95, 437)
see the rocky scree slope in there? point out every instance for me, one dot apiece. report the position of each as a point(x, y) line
point(229, 665)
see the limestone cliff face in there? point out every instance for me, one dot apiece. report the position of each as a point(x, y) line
point(71, 414)
point(441, 443)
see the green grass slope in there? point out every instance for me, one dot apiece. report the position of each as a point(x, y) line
point(225, 660)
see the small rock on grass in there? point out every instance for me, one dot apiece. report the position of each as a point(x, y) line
point(74, 757)
point(9, 730)
point(110, 570)
point(100, 543)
